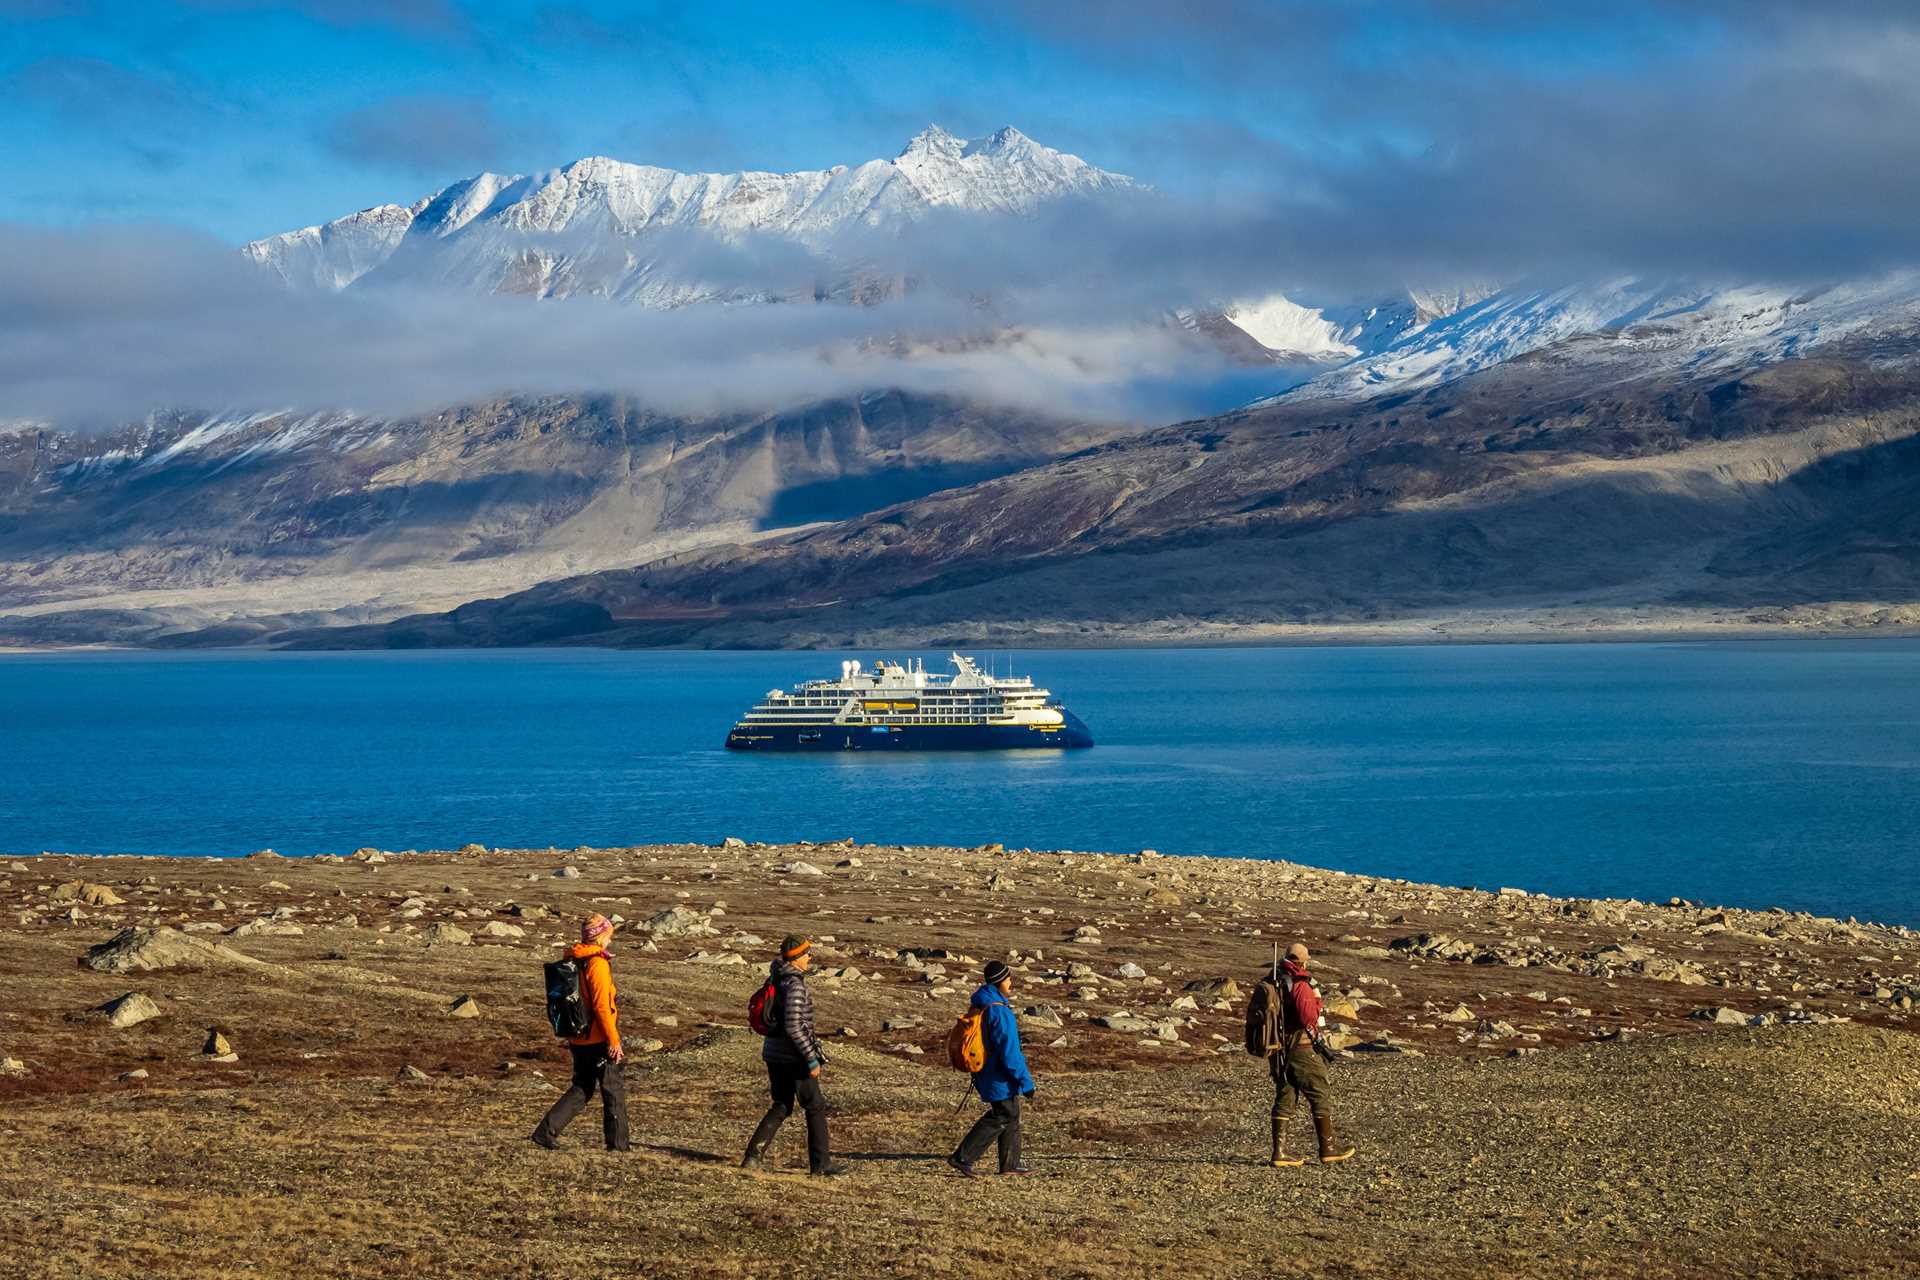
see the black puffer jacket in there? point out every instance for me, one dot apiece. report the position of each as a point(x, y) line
point(794, 1044)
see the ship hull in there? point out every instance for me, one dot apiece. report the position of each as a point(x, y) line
point(985, 737)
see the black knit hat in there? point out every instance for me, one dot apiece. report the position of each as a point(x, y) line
point(997, 972)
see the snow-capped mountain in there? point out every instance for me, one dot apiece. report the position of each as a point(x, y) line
point(604, 227)
point(1653, 324)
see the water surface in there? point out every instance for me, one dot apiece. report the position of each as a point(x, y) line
point(1753, 774)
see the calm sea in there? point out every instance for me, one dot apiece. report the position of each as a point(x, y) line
point(1752, 774)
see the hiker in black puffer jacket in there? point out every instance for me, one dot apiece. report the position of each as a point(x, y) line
point(794, 1058)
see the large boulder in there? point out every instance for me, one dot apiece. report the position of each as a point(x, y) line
point(443, 934)
point(143, 950)
point(128, 1010)
point(94, 895)
point(679, 922)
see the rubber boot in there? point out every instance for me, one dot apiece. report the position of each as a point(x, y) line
point(1329, 1154)
point(1280, 1158)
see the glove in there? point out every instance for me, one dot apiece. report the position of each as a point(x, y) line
point(1027, 1094)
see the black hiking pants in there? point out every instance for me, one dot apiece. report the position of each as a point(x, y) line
point(592, 1070)
point(788, 1084)
point(1001, 1124)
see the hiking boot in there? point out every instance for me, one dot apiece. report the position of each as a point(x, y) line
point(1280, 1159)
point(1018, 1170)
point(541, 1140)
point(831, 1169)
point(755, 1161)
point(1329, 1154)
point(962, 1167)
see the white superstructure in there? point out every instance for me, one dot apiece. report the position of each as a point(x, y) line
point(895, 693)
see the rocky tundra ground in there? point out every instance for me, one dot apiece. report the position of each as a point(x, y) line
point(330, 1066)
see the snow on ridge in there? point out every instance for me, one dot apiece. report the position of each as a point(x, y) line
point(1654, 323)
point(485, 221)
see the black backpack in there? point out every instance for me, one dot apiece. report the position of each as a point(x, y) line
point(567, 998)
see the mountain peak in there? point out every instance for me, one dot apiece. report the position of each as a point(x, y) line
point(1000, 140)
point(933, 140)
point(475, 229)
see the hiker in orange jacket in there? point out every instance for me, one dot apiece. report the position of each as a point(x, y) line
point(597, 1056)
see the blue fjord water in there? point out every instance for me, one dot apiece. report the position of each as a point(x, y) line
point(1754, 774)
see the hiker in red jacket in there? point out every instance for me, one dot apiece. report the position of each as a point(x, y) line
point(1298, 1071)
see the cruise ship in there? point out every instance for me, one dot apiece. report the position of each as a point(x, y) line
point(904, 707)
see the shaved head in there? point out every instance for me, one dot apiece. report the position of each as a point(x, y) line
point(1297, 953)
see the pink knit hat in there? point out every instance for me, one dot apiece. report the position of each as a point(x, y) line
point(595, 928)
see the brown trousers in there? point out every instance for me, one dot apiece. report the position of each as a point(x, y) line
point(1298, 1072)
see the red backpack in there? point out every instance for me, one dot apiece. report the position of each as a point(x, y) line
point(760, 1009)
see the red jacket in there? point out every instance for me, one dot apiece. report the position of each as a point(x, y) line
point(1303, 1005)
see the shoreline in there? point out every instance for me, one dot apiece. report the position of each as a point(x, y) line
point(1458, 630)
point(1229, 859)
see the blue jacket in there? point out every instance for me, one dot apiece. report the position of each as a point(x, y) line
point(1006, 1071)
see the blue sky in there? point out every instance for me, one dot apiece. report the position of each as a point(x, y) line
point(242, 118)
point(246, 119)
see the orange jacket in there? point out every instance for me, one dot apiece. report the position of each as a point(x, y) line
point(596, 981)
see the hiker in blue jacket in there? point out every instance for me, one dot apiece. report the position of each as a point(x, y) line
point(1001, 1082)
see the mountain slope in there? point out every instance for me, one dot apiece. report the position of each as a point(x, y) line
point(1526, 486)
point(269, 514)
point(1653, 324)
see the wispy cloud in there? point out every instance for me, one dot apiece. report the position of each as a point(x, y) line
point(1433, 138)
point(101, 326)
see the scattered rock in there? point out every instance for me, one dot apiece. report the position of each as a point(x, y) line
point(440, 933)
point(411, 1072)
point(216, 1044)
point(799, 869)
point(158, 948)
point(1131, 970)
point(265, 924)
point(1225, 988)
point(464, 1007)
point(1459, 1013)
point(138, 1073)
point(1122, 1022)
point(495, 929)
point(679, 922)
point(12, 1067)
point(567, 873)
point(716, 957)
point(94, 895)
point(1721, 1015)
point(733, 842)
point(129, 1010)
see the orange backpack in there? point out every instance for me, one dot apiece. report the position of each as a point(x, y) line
point(967, 1042)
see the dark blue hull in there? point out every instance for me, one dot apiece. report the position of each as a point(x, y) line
point(908, 737)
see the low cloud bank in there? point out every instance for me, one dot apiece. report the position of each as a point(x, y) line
point(103, 326)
